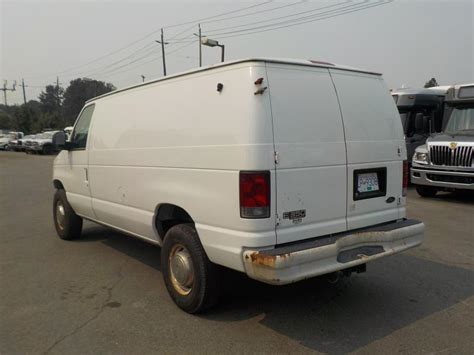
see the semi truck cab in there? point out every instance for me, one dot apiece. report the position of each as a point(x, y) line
point(446, 162)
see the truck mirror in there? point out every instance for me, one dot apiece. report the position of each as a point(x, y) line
point(419, 122)
point(59, 140)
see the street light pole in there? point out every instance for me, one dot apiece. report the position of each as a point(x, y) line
point(213, 43)
point(222, 51)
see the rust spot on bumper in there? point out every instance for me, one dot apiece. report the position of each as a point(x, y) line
point(267, 260)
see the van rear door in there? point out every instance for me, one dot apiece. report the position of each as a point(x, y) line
point(309, 140)
point(375, 148)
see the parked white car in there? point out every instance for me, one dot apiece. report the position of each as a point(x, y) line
point(20, 145)
point(7, 138)
point(42, 143)
point(281, 169)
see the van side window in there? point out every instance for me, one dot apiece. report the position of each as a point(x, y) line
point(81, 130)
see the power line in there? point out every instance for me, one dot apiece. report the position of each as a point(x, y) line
point(257, 12)
point(149, 35)
point(112, 69)
point(281, 17)
point(148, 52)
point(114, 72)
point(184, 39)
point(108, 66)
point(337, 11)
point(201, 20)
point(301, 22)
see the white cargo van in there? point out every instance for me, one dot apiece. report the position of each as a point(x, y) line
point(281, 169)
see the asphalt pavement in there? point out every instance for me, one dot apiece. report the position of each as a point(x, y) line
point(104, 293)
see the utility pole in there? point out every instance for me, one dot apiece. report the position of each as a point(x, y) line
point(162, 42)
point(5, 92)
point(57, 91)
point(5, 89)
point(200, 46)
point(24, 92)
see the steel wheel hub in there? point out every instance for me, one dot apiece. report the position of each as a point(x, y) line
point(60, 215)
point(181, 269)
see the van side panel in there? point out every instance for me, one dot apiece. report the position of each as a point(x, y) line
point(183, 142)
point(309, 139)
point(374, 139)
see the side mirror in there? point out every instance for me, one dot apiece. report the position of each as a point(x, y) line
point(419, 122)
point(59, 140)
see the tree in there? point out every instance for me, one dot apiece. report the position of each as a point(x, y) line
point(430, 83)
point(6, 121)
point(28, 117)
point(78, 92)
point(24, 118)
point(51, 99)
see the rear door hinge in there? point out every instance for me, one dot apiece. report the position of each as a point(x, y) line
point(277, 157)
point(277, 220)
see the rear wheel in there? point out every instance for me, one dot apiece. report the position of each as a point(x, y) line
point(425, 191)
point(67, 223)
point(192, 280)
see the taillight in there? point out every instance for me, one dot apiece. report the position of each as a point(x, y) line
point(254, 194)
point(406, 175)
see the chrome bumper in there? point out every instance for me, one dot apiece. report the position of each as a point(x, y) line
point(442, 178)
point(319, 256)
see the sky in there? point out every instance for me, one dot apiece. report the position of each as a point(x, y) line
point(409, 41)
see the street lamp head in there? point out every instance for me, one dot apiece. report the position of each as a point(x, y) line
point(209, 42)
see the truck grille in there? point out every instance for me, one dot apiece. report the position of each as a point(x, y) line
point(444, 155)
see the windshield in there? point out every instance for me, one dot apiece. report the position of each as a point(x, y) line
point(461, 120)
point(46, 135)
point(404, 118)
point(8, 135)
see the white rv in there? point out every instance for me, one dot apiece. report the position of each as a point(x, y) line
point(280, 169)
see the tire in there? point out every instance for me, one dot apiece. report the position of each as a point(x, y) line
point(198, 287)
point(424, 191)
point(47, 150)
point(68, 224)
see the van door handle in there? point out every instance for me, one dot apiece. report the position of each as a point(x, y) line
point(87, 176)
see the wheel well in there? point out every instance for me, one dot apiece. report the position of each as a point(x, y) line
point(168, 215)
point(58, 184)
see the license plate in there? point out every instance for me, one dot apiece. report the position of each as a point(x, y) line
point(367, 182)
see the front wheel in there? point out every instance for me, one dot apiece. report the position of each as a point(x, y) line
point(67, 223)
point(425, 191)
point(191, 279)
point(47, 149)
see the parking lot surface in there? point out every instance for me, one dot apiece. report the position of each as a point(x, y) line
point(104, 293)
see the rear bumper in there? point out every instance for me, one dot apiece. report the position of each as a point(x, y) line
point(319, 256)
point(442, 178)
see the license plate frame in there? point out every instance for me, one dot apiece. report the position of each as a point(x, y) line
point(369, 174)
